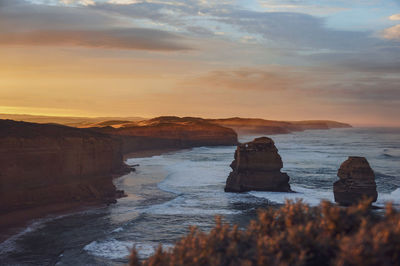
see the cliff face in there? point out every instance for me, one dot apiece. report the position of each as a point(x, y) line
point(50, 164)
point(257, 166)
point(171, 132)
point(357, 180)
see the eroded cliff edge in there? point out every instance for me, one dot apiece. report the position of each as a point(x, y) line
point(44, 164)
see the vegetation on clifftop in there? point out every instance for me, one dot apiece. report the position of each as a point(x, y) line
point(295, 234)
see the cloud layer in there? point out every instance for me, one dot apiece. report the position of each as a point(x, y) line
point(132, 38)
point(395, 17)
point(26, 24)
point(392, 33)
point(285, 58)
point(249, 79)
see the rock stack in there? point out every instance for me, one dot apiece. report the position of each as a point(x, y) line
point(257, 166)
point(357, 181)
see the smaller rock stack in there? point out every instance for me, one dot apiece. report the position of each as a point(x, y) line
point(357, 181)
point(257, 166)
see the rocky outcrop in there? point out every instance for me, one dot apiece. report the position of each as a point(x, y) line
point(257, 166)
point(357, 181)
point(43, 164)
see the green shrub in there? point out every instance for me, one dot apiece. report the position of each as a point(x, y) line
point(295, 234)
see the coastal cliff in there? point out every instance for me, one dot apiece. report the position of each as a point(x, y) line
point(243, 126)
point(47, 168)
point(170, 132)
point(44, 164)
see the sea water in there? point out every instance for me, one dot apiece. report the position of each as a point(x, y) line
point(169, 193)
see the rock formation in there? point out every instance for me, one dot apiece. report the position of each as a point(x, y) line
point(357, 180)
point(257, 166)
point(43, 164)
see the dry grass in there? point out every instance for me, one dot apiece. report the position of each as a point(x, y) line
point(295, 234)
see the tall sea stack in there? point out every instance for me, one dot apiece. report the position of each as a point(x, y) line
point(257, 166)
point(357, 181)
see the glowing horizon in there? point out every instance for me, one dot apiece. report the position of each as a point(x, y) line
point(277, 60)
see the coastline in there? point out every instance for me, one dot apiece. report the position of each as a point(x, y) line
point(149, 153)
point(187, 196)
point(18, 221)
point(15, 222)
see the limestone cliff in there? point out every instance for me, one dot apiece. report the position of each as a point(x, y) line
point(171, 132)
point(257, 166)
point(42, 164)
point(45, 168)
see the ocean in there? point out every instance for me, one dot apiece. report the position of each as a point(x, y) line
point(169, 193)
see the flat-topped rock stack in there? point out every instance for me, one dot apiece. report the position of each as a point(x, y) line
point(257, 166)
point(357, 181)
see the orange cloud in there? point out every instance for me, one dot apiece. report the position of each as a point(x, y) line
point(395, 17)
point(392, 33)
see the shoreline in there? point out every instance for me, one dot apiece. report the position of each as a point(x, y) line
point(15, 222)
point(150, 153)
point(18, 221)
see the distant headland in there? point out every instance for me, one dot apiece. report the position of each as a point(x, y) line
point(243, 126)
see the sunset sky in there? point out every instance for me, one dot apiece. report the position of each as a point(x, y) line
point(273, 59)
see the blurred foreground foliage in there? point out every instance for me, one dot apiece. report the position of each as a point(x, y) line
point(295, 234)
